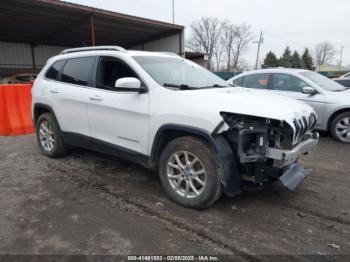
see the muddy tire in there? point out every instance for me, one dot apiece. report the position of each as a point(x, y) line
point(189, 174)
point(49, 136)
point(340, 128)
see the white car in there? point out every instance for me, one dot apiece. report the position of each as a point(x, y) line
point(169, 114)
point(330, 100)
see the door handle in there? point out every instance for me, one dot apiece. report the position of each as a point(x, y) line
point(55, 91)
point(96, 98)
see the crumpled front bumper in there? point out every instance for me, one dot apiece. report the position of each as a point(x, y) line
point(285, 157)
point(293, 173)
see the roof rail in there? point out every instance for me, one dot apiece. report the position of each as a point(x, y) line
point(92, 48)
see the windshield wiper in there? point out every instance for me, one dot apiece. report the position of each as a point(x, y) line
point(215, 85)
point(181, 87)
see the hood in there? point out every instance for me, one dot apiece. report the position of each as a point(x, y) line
point(253, 102)
point(341, 97)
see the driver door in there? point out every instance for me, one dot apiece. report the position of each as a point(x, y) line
point(119, 118)
point(289, 85)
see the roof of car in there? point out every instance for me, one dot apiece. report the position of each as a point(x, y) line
point(273, 70)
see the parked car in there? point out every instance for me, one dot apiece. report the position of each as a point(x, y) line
point(330, 100)
point(170, 114)
point(344, 80)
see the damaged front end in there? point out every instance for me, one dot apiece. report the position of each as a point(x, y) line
point(265, 150)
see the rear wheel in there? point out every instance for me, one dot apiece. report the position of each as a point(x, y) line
point(49, 136)
point(189, 173)
point(340, 128)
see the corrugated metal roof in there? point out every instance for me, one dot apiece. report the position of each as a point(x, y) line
point(53, 22)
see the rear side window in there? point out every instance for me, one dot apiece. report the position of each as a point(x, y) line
point(258, 81)
point(78, 71)
point(54, 70)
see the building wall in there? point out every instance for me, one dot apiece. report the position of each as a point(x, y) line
point(173, 44)
point(13, 55)
point(19, 55)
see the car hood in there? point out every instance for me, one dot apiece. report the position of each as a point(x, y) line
point(341, 97)
point(253, 102)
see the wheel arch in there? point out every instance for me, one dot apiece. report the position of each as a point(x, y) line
point(334, 115)
point(40, 109)
point(169, 132)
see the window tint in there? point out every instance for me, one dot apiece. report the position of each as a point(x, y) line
point(238, 81)
point(259, 81)
point(54, 70)
point(111, 69)
point(286, 82)
point(77, 71)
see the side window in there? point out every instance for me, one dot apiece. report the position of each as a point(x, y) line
point(54, 70)
point(258, 81)
point(284, 82)
point(238, 81)
point(77, 71)
point(110, 70)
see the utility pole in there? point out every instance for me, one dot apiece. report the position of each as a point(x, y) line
point(341, 56)
point(173, 11)
point(259, 43)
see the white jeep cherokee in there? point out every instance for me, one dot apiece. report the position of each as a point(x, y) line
point(167, 113)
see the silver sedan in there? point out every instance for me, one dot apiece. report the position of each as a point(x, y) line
point(330, 100)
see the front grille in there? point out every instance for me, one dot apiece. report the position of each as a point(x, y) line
point(303, 126)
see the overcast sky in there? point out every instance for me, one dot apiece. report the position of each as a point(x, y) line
point(297, 23)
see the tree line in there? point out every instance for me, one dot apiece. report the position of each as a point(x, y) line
point(225, 42)
point(323, 54)
point(289, 60)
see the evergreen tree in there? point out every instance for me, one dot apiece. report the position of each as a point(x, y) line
point(286, 58)
point(307, 61)
point(270, 60)
point(295, 60)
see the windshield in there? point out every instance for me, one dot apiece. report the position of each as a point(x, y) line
point(179, 73)
point(323, 81)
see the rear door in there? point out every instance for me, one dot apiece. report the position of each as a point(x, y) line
point(289, 85)
point(117, 117)
point(69, 94)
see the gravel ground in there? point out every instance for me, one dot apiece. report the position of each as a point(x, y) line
point(88, 203)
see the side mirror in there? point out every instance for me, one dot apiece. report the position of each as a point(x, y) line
point(309, 90)
point(128, 84)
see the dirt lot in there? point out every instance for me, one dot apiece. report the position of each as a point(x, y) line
point(89, 203)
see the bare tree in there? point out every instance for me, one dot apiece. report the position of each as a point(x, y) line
point(218, 54)
point(228, 39)
point(324, 53)
point(244, 36)
point(205, 36)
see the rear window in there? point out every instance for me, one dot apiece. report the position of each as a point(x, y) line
point(78, 71)
point(54, 70)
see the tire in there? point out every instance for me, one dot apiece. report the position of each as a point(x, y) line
point(57, 147)
point(340, 128)
point(193, 148)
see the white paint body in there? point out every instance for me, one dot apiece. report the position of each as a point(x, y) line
point(131, 120)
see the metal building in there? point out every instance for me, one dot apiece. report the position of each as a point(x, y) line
point(32, 31)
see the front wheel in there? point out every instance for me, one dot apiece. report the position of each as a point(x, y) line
point(340, 128)
point(189, 173)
